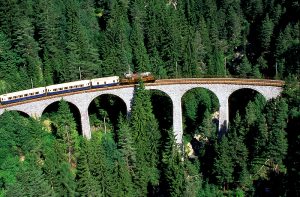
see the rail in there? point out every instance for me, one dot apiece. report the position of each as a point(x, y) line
point(233, 81)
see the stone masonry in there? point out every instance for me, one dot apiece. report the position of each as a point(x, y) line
point(174, 91)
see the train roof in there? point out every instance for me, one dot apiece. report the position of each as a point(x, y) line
point(23, 92)
point(68, 84)
point(105, 78)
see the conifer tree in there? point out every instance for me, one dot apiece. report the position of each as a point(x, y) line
point(173, 173)
point(146, 138)
point(47, 27)
point(266, 32)
point(27, 47)
point(9, 61)
point(276, 119)
point(66, 131)
point(86, 183)
point(126, 144)
point(223, 165)
point(30, 182)
point(116, 51)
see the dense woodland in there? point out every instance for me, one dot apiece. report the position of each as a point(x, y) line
point(45, 42)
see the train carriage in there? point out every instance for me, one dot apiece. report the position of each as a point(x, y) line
point(105, 82)
point(68, 87)
point(22, 95)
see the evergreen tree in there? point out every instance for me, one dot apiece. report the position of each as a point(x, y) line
point(116, 51)
point(30, 182)
point(66, 131)
point(27, 48)
point(9, 61)
point(173, 173)
point(276, 119)
point(86, 183)
point(126, 145)
point(146, 138)
point(223, 165)
point(266, 32)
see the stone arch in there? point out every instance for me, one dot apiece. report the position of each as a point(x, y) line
point(21, 112)
point(113, 106)
point(162, 108)
point(245, 94)
point(211, 99)
point(77, 114)
point(121, 96)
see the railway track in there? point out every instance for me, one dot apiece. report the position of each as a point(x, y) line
point(232, 81)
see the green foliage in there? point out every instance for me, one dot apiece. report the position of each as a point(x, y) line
point(66, 132)
point(47, 42)
point(223, 166)
point(30, 181)
point(146, 137)
point(173, 174)
point(198, 104)
point(85, 183)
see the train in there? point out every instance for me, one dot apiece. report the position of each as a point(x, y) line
point(129, 78)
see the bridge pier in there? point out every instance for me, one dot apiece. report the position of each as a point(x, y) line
point(85, 123)
point(223, 115)
point(177, 119)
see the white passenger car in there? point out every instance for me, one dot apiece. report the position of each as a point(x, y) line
point(105, 81)
point(22, 95)
point(68, 87)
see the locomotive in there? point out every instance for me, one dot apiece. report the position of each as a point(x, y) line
point(74, 86)
point(132, 78)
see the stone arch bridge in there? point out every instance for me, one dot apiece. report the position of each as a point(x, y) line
point(174, 88)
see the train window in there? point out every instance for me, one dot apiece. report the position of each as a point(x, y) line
point(70, 86)
point(65, 88)
point(36, 92)
point(30, 93)
point(55, 89)
point(25, 94)
point(81, 85)
point(104, 82)
point(97, 83)
point(14, 97)
point(60, 88)
point(21, 96)
point(113, 80)
point(9, 98)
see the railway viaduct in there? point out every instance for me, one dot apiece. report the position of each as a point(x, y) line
point(174, 88)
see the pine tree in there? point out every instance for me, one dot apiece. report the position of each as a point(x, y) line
point(173, 173)
point(66, 180)
point(116, 51)
point(126, 145)
point(27, 48)
point(66, 131)
point(276, 119)
point(49, 38)
point(30, 182)
point(146, 138)
point(223, 165)
point(171, 41)
point(140, 56)
point(9, 61)
point(266, 32)
point(86, 183)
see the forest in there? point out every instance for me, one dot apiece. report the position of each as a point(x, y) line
point(48, 42)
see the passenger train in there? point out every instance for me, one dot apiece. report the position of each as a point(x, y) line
point(73, 86)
